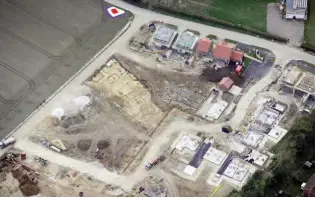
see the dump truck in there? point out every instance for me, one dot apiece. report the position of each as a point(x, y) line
point(6, 142)
point(153, 162)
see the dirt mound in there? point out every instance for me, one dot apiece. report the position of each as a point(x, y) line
point(67, 121)
point(152, 187)
point(27, 180)
point(55, 121)
point(102, 144)
point(29, 189)
point(84, 144)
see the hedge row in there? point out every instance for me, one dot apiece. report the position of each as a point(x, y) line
point(221, 23)
point(138, 3)
point(308, 47)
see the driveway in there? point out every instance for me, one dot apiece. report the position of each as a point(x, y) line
point(290, 29)
point(256, 69)
point(259, 70)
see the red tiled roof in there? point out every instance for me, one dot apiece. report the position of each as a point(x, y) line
point(223, 50)
point(237, 56)
point(204, 45)
point(309, 187)
point(226, 83)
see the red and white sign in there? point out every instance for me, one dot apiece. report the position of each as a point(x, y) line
point(114, 12)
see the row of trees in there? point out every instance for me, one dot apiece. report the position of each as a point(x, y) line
point(291, 152)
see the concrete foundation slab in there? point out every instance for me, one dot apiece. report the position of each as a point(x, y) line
point(253, 138)
point(215, 156)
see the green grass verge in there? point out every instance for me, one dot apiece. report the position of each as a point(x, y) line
point(172, 26)
point(195, 32)
point(294, 189)
point(231, 41)
point(247, 62)
point(211, 36)
point(309, 30)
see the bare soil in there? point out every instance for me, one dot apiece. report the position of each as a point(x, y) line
point(102, 144)
point(84, 144)
point(157, 81)
point(212, 75)
point(29, 189)
point(103, 127)
point(198, 188)
point(151, 184)
point(53, 181)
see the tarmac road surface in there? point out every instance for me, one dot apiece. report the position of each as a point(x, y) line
point(42, 44)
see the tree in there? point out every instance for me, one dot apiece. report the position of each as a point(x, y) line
point(290, 153)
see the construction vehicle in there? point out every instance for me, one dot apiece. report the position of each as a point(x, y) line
point(239, 69)
point(6, 142)
point(41, 161)
point(153, 162)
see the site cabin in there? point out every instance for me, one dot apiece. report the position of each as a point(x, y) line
point(6, 142)
point(167, 53)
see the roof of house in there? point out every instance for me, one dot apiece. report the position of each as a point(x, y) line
point(186, 40)
point(223, 50)
point(226, 82)
point(309, 187)
point(204, 45)
point(237, 55)
point(299, 4)
point(296, 4)
point(164, 34)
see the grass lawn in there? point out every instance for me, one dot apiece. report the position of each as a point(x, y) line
point(250, 13)
point(231, 41)
point(211, 36)
point(309, 30)
point(247, 62)
point(294, 189)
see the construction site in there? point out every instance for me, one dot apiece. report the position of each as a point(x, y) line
point(27, 175)
point(187, 51)
point(143, 125)
point(298, 81)
point(86, 128)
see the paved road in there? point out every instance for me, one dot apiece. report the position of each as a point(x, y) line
point(283, 55)
point(42, 44)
